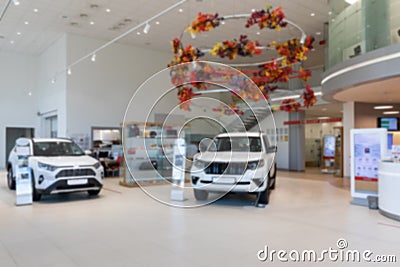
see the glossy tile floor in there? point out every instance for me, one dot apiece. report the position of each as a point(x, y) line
point(125, 227)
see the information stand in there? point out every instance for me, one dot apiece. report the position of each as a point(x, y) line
point(178, 170)
point(23, 173)
point(368, 147)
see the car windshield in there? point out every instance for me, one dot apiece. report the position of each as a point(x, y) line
point(237, 144)
point(56, 149)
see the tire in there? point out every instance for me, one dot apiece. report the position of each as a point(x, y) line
point(200, 194)
point(10, 179)
point(94, 192)
point(36, 196)
point(263, 197)
point(272, 179)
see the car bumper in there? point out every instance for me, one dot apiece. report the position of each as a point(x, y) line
point(251, 181)
point(63, 186)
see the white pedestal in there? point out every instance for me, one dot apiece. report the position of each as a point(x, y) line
point(389, 189)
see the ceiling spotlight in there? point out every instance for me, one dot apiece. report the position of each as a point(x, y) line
point(108, 10)
point(35, 10)
point(92, 23)
point(330, 13)
point(18, 33)
point(69, 71)
point(53, 81)
point(11, 42)
point(318, 33)
point(93, 57)
point(30, 93)
point(138, 33)
point(193, 35)
point(253, 10)
point(180, 10)
point(312, 14)
point(16, 2)
point(223, 22)
point(383, 107)
point(157, 22)
point(258, 33)
point(146, 28)
point(26, 22)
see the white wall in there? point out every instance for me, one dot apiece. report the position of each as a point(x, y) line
point(268, 125)
point(18, 109)
point(98, 92)
point(52, 97)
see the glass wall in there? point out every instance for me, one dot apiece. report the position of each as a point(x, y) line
point(361, 27)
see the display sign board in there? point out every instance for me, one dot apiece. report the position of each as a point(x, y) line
point(329, 145)
point(368, 146)
point(23, 186)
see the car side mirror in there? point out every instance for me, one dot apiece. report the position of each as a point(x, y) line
point(272, 149)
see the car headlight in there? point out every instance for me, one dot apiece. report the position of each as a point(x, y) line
point(255, 164)
point(97, 165)
point(47, 167)
point(198, 164)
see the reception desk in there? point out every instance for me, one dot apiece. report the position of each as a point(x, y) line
point(389, 189)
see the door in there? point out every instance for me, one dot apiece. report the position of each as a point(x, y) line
point(12, 134)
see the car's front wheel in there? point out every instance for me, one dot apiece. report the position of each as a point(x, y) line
point(36, 196)
point(93, 192)
point(200, 194)
point(10, 179)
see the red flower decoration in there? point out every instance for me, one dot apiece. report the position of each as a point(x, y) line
point(185, 95)
point(309, 98)
point(203, 23)
point(290, 105)
point(269, 18)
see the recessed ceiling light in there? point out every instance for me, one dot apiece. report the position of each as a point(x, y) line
point(16, 2)
point(391, 112)
point(30, 93)
point(180, 10)
point(157, 23)
point(350, 1)
point(258, 33)
point(253, 10)
point(26, 22)
point(108, 10)
point(92, 23)
point(11, 42)
point(312, 14)
point(18, 33)
point(318, 33)
point(333, 20)
point(138, 33)
point(383, 107)
point(223, 22)
point(35, 10)
point(330, 13)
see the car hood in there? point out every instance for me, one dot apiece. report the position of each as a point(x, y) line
point(67, 161)
point(229, 156)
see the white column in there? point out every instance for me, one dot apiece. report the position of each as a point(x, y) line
point(348, 124)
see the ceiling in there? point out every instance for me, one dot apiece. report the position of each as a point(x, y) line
point(383, 91)
point(35, 24)
point(31, 27)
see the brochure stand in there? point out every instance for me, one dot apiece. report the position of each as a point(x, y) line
point(23, 173)
point(178, 170)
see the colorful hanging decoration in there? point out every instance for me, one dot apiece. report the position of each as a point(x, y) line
point(230, 49)
point(228, 110)
point(266, 77)
point(290, 105)
point(185, 95)
point(268, 18)
point(308, 96)
point(203, 23)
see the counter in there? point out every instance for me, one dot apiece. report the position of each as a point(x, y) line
point(389, 189)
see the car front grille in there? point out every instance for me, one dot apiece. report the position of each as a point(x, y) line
point(234, 168)
point(75, 173)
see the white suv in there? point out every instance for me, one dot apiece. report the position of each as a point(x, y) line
point(58, 166)
point(235, 162)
